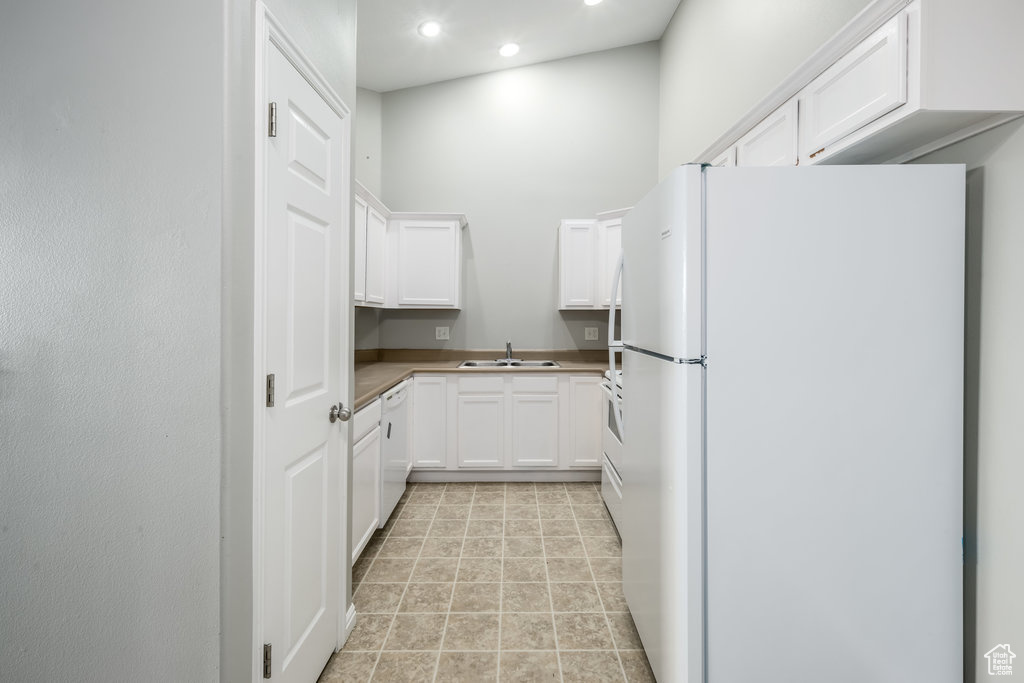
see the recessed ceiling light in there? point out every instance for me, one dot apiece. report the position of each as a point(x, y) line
point(429, 29)
point(509, 50)
point(591, 3)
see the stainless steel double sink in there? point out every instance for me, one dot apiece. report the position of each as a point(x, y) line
point(508, 363)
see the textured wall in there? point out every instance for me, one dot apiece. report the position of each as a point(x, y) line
point(994, 395)
point(366, 139)
point(516, 151)
point(110, 340)
point(721, 57)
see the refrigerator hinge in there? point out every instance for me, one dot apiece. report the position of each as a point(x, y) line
point(267, 669)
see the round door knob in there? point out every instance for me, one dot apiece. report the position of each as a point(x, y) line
point(340, 412)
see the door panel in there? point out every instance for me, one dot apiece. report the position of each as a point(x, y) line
point(307, 214)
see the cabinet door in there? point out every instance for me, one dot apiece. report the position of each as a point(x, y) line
point(868, 82)
point(585, 399)
point(726, 158)
point(428, 264)
point(365, 490)
point(359, 249)
point(772, 142)
point(577, 253)
point(376, 230)
point(429, 421)
point(611, 247)
point(481, 436)
point(535, 430)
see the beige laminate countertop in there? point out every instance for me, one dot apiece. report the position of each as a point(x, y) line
point(373, 379)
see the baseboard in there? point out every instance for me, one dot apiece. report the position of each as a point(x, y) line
point(503, 475)
point(350, 623)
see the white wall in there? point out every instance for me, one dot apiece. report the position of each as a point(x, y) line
point(366, 145)
point(126, 332)
point(516, 151)
point(993, 428)
point(110, 340)
point(721, 57)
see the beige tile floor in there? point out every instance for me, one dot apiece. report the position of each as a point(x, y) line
point(492, 581)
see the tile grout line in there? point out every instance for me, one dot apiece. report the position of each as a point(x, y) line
point(551, 596)
point(444, 629)
point(604, 609)
point(501, 581)
point(394, 618)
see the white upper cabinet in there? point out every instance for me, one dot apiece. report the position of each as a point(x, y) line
point(871, 80)
point(577, 263)
point(369, 255)
point(609, 247)
point(405, 260)
point(899, 81)
point(773, 142)
point(726, 158)
point(427, 263)
point(376, 255)
point(360, 210)
point(588, 250)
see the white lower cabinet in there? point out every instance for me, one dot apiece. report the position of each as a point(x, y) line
point(585, 428)
point(506, 421)
point(535, 422)
point(481, 440)
point(429, 430)
point(365, 476)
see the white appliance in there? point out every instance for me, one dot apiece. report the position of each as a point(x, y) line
point(394, 451)
point(792, 458)
point(611, 444)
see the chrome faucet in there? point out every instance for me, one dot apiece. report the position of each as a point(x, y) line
point(508, 350)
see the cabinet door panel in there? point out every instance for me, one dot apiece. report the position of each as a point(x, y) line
point(585, 422)
point(535, 430)
point(428, 254)
point(429, 421)
point(481, 437)
point(772, 142)
point(612, 246)
point(376, 228)
point(577, 250)
point(868, 82)
point(365, 490)
point(359, 250)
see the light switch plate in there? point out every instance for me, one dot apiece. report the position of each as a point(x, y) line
point(590, 334)
point(441, 333)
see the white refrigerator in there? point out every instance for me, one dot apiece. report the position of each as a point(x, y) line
point(792, 438)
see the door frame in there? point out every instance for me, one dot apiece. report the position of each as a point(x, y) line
point(270, 32)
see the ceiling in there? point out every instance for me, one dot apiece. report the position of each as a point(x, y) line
point(392, 54)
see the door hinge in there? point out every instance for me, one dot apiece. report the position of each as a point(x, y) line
point(272, 121)
point(266, 660)
point(270, 390)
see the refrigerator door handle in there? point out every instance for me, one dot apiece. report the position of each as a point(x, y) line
point(614, 345)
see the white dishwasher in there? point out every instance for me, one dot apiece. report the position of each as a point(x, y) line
point(394, 450)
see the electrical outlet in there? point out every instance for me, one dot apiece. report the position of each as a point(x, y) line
point(441, 333)
point(590, 333)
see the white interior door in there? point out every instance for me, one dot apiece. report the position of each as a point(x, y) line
point(307, 211)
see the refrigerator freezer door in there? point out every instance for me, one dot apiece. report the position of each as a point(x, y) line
point(662, 263)
point(661, 512)
point(834, 412)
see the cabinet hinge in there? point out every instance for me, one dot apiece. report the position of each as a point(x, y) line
point(272, 120)
point(270, 390)
point(266, 660)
